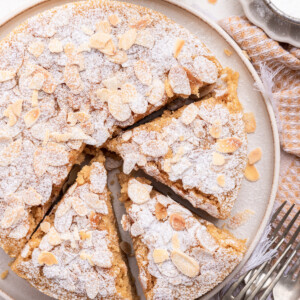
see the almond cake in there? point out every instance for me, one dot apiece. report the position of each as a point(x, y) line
point(179, 255)
point(75, 252)
point(72, 76)
point(200, 151)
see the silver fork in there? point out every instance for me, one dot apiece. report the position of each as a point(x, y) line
point(257, 279)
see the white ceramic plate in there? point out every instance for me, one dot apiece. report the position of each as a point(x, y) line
point(257, 196)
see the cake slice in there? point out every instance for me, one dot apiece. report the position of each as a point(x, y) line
point(200, 151)
point(75, 252)
point(179, 255)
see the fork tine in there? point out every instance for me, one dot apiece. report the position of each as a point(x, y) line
point(230, 291)
point(278, 227)
point(294, 268)
point(288, 247)
point(291, 223)
point(278, 276)
point(278, 210)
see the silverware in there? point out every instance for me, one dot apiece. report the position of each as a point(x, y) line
point(264, 278)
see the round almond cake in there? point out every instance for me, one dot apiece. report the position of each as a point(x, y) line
point(76, 76)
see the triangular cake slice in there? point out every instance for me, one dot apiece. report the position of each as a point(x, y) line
point(75, 252)
point(179, 255)
point(200, 151)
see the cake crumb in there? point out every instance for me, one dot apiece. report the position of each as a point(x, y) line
point(239, 219)
point(4, 274)
point(227, 52)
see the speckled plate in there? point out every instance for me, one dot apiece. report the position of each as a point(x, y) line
point(258, 196)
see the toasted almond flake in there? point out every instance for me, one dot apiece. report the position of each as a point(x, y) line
point(9, 153)
point(112, 83)
point(31, 197)
point(160, 211)
point(167, 165)
point(53, 237)
point(126, 248)
point(145, 38)
point(168, 88)
point(141, 23)
point(6, 75)
point(45, 226)
point(127, 39)
point(37, 81)
point(114, 20)
point(215, 129)
point(85, 29)
point(179, 81)
point(63, 208)
point(104, 94)
point(11, 216)
point(154, 148)
point(250, 123)
point(99, 40)
point(189, 114)
point(84, 47)
point(185, 264)
point(47, 258)
point(227, 52)
point(92, 285)
point(126, 136)
point(221, 180)
point(239, 219)
point(228, 145)
point(178, 47)
point(103, 26)
point(138, 192)
point(12, 119)
point(36, 48)
point(79, 206)
point(4, 274)
point(128, 92)
point(85, 235)
point(34, 98)
point(160, 255)
point(118, 109)
point(16, 107)
point(119, 58)
point(254, 156)
point(55, 46)
point(177, 222)
point(109, 49)
point(251, 173)
point(157, 92)
point(31, 117)
point(93, 201)
point(72, 79)
point(143, 72)
point(175, 242)
point(218, 159)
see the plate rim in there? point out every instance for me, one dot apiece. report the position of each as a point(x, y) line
point(276, 145)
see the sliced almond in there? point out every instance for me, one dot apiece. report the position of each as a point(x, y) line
point(119, 58)
point(250, 123)
point(127, 39)
point(36, 48)
point(31, 117)
point(178, 47)
point(128, 92)
point(84, 47)
point(37, 82)
point(254, 156)
point(114, 20)
point(189, 114)
point(11, 216)
point(185, 264)
point(55, 46)
point(16, 107)
point(12, 119)
point(45, 226)
point(157, 91)
point(179, 81)
point(218, 159)
point(143, 72)
point(175, 241)
point(118, 109)
point(251, 173)
point(53, 237)
point(85, 29)
point(104, 94)
point(35, 98)
point(138, 192)
point(154, 148)
point(168, 88)
point(140, 23)
point(109, 49)
point(177, 222)
point(160, 255)
point(215, 129)
point(63, 208)
point(6, 75)
point(145, 38)
point(79, 206)
point(99, 40)
point(85, 235)
point(31, 197)
point(228, 145)
point(47, 258)
point(160, 211)
point(103, 26)
point(72, 79)
point(221, 180)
